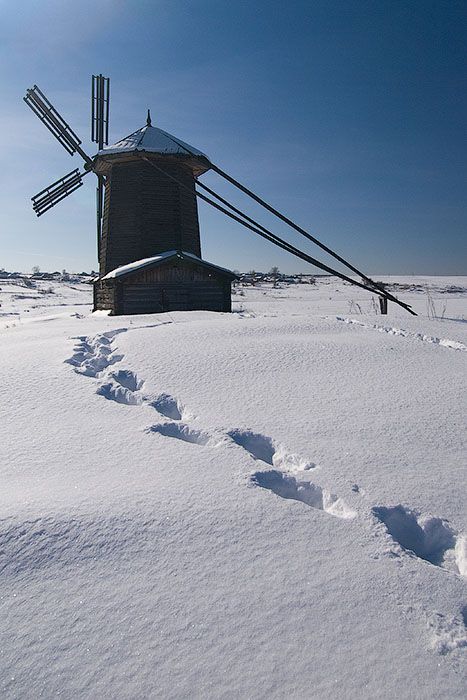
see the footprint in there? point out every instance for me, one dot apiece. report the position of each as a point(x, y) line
point(287, 486)
point(115, 392)
point(464, 615)
point(259, 446)
point(127, 379)
point(122, 388)
point(168, 407)
point(431, 539)
point(448, 633)
point(265, 449)
point(94, 354)
point(183, 432)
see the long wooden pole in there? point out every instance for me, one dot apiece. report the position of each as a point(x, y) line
point(272, 237)
point(377, 288)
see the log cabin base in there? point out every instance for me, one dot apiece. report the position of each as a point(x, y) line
point(171, 281)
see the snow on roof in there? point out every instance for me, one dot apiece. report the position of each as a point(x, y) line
point(153, 140)
point(131, 267)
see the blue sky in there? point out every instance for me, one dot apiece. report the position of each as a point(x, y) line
point(348, 116)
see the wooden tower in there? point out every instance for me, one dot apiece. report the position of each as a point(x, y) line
point(146, 212)
point(150, 250)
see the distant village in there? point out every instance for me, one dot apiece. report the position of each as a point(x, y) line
point(251, 278)
point(56, 276)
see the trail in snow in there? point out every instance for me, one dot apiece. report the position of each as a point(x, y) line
point(448, 633)
point(287, 486)
point(94, 355)
point(443, 342)
point(431, 539)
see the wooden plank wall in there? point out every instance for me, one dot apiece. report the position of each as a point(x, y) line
point(146, 213)
point(160, 297)
point(174, 271)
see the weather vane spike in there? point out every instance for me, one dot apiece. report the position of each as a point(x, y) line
point(148, 121)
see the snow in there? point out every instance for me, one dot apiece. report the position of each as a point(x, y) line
point(263, 504)
point(152, 140)
point(138, 264)
point(131, 267)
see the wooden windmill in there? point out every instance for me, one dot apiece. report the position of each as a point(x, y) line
point(148, 238)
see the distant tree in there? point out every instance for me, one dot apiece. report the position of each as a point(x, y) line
point(274, 272)
point(36, 269)
point(252, 275)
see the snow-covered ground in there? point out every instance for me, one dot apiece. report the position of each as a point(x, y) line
point(265, 504)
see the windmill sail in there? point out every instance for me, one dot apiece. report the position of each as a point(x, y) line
point(54, 193)
point(100, 110)
point(40, 105)
point(100, 96)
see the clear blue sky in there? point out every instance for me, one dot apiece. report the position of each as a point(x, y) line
point(348, 116)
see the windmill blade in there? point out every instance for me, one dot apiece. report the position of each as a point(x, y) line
point(100, 97)
point(40, 105)
point(54, 193)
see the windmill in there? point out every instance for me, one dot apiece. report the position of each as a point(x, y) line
point(148, 237)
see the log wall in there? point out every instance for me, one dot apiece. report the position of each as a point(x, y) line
point(146, 213)
point(174, 286)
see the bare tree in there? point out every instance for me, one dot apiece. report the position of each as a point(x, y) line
point(274, 272)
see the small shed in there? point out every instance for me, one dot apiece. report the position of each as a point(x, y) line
point(171, 281)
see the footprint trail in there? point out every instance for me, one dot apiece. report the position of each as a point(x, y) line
point(267, 450)
point(179, 431)
point(287, 486)
point(168, 406)
point(431, 539)
point(443, 342)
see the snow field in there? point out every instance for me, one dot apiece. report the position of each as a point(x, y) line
point(264, 504)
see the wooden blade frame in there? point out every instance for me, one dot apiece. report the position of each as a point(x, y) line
point(40, 105)
point(100, 110)
point(100, 100)
point(54, 193)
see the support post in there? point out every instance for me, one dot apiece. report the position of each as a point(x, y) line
point(383, 305)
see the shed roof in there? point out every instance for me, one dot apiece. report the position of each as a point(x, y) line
point(162, 257)
point(153, 140)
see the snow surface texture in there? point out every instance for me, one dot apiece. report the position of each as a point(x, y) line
point(264, 504)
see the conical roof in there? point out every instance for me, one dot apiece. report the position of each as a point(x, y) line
point(152, 140)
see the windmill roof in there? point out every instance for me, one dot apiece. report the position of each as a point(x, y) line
point(153, 140)
point(138, 264)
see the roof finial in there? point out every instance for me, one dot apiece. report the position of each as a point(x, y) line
point(148, 120)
